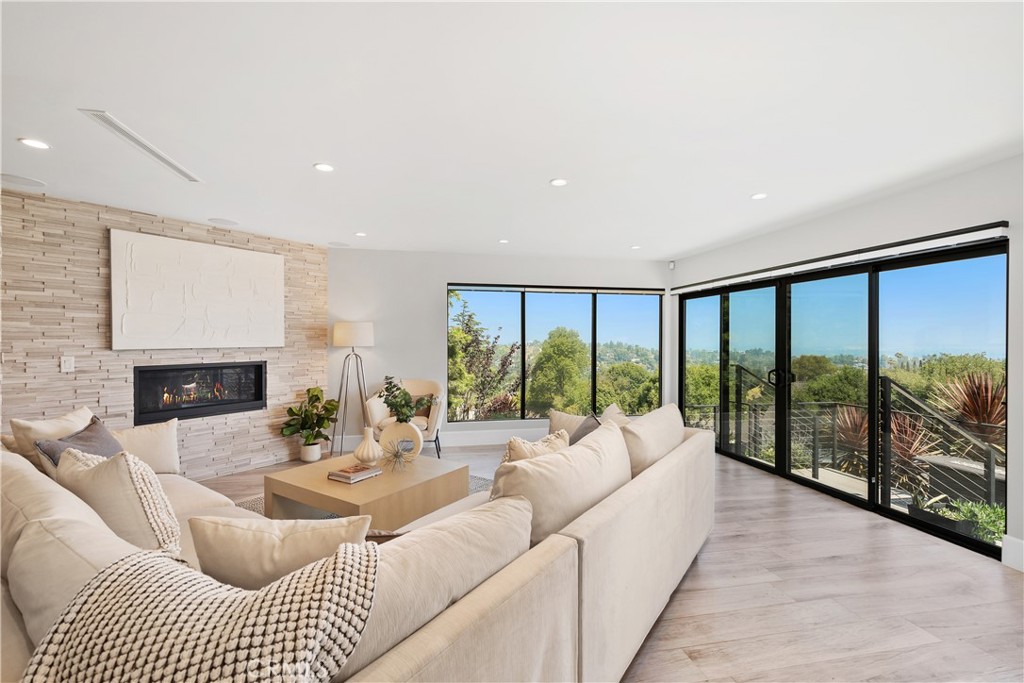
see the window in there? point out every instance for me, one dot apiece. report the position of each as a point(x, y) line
point(517, 353)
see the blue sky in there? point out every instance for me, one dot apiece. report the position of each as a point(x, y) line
point(628, 318)
point(955, 307)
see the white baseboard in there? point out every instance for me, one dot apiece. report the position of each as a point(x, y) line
point(1013, 552)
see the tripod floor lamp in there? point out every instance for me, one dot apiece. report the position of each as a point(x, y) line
point(352, 335)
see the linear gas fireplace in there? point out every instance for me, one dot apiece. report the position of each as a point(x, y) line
point(198, 390)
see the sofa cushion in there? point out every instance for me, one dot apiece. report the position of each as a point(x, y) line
point(126, 493)
point(561, 486)
point(253, 552)
point(650, 437)
point(521, 449)
point(188, 548)
point(52, 561)
point(15, 643)
point(423, 572)
point(155, 444)
point(95, 438)
point(26, 495)
point(589, 424)
point(558, 420)
point(188, 496)
point(461, 505)
point(615, 414)
point(27, 432)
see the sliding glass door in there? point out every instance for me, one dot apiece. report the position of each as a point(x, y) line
point(828, 391)
point(882, 383)
point(942, 360)
point(748, 345)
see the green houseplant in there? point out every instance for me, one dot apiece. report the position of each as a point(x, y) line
point(399, 400)
point(309, 419)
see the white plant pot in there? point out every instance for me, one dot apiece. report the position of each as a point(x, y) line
point(403, 431)
point(368, 451)
point(310, 453)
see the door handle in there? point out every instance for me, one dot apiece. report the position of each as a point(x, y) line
point(773, 377)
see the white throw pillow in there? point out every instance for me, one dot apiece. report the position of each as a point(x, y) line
point(615, 414)
point(155, 444)
point(27, 432)
point(563, 485)
point(126, 494)
point(52, 560)
point(650, 437)
point(253, 552)
point(521, 449)
point(558, 420)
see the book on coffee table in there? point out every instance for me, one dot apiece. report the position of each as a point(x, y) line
point(354, 473)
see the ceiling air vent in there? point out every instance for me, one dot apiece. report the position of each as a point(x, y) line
point(106, 120)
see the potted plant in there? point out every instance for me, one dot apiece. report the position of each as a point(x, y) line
point(939, 512)
point(401, 435)
point(399, 401)
point(309, 419)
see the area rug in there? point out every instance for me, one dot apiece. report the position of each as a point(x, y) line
point(476, 485)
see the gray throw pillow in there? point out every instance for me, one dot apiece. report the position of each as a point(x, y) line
point(589, 425)
point(95, 439)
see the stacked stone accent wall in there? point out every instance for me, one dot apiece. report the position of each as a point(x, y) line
point(56, 302)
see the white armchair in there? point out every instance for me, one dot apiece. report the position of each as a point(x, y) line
point(379, 416)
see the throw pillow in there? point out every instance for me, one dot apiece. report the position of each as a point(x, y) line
point(27, 432)
point(52, 560)
point(561, 486)
point(155, 444)
point(650, 437)
point(615, 414)
point(148, 617)
point(521, 449)
point(126, 494)
point(589, 424)
point(558, 420)
point(424, 412)
point(95, 439)
point(253, 552)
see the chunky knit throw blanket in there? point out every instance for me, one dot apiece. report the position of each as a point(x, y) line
point(149, 617)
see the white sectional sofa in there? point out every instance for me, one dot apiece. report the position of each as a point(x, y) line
point(465, 597)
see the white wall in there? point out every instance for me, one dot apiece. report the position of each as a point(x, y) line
point(986, 195)
point(405, 295)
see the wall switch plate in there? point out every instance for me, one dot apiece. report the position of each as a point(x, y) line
point(67, 363)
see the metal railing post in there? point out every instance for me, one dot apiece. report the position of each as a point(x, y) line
point(990, 476)
point(886, 431)
point(835, 433)
point(739, 410)
point(814, 446)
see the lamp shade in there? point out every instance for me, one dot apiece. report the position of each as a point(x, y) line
point(353, 334)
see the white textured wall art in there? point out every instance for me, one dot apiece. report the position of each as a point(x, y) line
point(174, 294)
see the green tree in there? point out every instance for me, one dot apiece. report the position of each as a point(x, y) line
point(808, 367)
point(845, 385)
point(559, 375)
point(629, 385)
point(701, 384)
point(483, 369)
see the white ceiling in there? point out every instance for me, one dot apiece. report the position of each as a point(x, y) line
point(446, 121)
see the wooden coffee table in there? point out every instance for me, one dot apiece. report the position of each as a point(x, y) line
point(393, 498)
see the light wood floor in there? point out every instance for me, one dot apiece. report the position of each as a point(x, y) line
point(794, 585)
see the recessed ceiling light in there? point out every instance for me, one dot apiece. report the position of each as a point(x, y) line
point(11, 179)
point(759, 195)
point(326, 168)
point(337, 245)
point(502, 241)
point(222, 221)
point(360, 234)
point(558, 182)
point(635, 246)
point(34, 144)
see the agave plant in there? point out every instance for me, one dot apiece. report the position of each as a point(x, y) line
point(852, 435)
point(909, 441)
point(977, 402)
